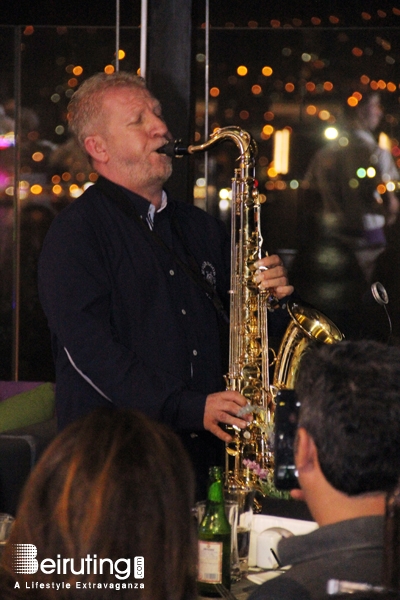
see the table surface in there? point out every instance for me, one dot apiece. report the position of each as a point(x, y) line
point(241, 590)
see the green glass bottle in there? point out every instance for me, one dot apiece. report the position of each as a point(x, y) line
point(214, 537)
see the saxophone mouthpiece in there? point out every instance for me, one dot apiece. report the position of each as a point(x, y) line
point(174, 149)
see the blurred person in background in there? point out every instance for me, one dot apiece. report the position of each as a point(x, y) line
point(348, 206)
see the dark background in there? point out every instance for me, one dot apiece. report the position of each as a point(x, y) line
point(236, 12)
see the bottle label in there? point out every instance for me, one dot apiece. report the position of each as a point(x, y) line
point(210, 562)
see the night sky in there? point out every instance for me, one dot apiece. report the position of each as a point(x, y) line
point(236, 12)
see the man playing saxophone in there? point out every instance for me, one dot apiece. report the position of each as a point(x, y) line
point(120, 280)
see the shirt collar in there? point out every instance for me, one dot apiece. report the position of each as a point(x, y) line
point(152, 209)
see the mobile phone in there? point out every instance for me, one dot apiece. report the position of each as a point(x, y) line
point(286, 420)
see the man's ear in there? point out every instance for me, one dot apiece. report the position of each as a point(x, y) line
point(305, 451)
point(96, 148)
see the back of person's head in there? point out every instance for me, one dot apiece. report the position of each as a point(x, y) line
point(85, 108)
point(350, 406)
point(114, 485)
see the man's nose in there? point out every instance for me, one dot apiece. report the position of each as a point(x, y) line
point(158, 126)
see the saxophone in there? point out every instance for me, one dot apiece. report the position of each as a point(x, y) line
point(250, 357)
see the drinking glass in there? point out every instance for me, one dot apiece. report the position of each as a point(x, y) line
point(244, 499)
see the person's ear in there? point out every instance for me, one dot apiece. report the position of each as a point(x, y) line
point(305, 450)
point(96, 148)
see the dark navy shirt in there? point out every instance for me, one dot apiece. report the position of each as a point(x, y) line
point(128, 325)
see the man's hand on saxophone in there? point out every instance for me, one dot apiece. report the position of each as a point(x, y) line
point(223, 407)
point(272, 275)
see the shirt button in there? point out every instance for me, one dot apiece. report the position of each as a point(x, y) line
point(172, 272)
point(183, 311)
point(195, 352)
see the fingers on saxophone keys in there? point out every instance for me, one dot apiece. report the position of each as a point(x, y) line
point(270, 283)
point(229, 419)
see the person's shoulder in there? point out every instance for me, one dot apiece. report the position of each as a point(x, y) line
point(79, 216)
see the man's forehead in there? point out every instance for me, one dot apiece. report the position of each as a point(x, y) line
point(132, 95)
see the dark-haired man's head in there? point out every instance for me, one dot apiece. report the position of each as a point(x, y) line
point(349, 421)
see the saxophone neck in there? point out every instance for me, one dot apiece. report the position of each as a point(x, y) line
point(243, 140)
point(240, 137)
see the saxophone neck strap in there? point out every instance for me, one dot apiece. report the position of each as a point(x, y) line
point(114, 193)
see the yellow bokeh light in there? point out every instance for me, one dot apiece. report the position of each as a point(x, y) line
point(267, 71)
point(109, 69)
point(75, 191)
point(242, 70)
point(77, 70)
point(57, 189)
point(272, 172)
point(268, 130)
point(121, 54)
point(36, 189)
